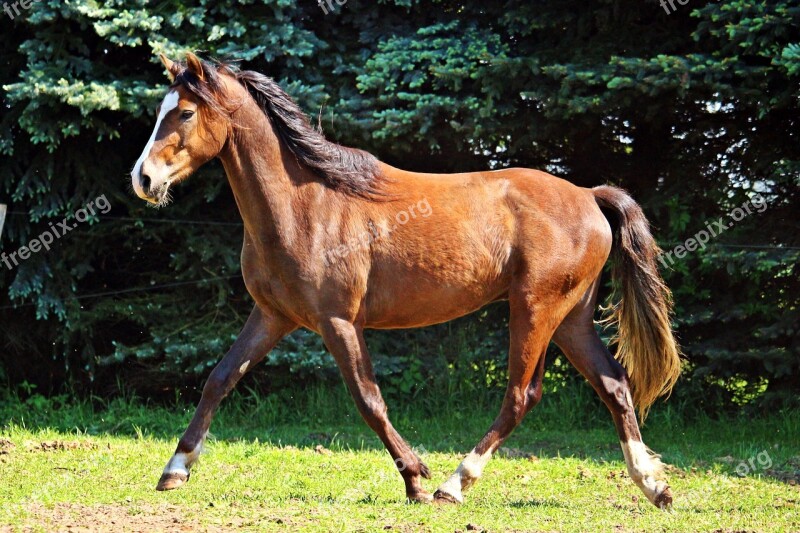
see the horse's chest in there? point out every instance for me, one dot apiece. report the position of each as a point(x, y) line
point(274, 282)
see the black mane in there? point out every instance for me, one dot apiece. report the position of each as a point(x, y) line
point(346, 169)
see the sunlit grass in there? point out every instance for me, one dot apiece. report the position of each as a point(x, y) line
point(263, 470)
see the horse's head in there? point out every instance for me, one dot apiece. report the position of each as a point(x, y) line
point(192, 126)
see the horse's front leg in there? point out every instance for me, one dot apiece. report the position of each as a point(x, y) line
point(263, 330)
point(346, 342)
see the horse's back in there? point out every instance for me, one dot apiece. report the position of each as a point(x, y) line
point(481, 230)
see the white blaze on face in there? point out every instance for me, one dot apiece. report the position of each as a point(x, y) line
point(169, 103)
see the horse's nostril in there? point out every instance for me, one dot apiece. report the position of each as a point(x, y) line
point(145, 181)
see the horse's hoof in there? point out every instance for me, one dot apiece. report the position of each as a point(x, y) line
point(423, 496)
point(443, 497)
point(664, 500)
point(172, 480)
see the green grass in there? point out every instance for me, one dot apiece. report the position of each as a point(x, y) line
point(262, 469)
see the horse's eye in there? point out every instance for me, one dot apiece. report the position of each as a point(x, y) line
point(186, 115)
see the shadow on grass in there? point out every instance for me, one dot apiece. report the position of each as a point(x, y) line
point(303, 419)
point(326, 416)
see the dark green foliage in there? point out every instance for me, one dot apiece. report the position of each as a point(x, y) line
point(692, 112)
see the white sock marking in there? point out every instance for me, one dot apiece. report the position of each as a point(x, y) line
point(645, 469)
point(466, 474)
point(182, 462)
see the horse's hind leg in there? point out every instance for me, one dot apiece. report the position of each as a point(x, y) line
point(581, 344)
point(530, 336)
point(260, 334)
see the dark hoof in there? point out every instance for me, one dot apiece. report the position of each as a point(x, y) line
point(172, 480)
point(443, 497)
point(664, 500)
point(422, 496)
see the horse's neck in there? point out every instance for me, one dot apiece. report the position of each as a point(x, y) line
point(266, 182)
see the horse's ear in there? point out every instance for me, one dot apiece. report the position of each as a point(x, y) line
point(195, 66)
point(173, 69)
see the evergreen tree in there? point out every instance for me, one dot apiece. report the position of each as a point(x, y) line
point(694, 112)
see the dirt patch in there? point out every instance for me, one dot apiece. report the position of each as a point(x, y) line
point(130, 518)
point(322, 450)
point(75, 517)
point(515, 453)
point(6, 446)
point(60, 446)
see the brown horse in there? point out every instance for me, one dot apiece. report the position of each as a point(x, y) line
point(336, 241)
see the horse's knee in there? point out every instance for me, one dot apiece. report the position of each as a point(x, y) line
point(616, 393)
point(533, 395)
point(515, 407)
point(372, 407)
point(217, 383)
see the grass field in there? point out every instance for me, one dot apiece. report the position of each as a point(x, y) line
point(318, 468)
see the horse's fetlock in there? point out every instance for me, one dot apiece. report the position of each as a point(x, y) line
point(469, 476)
point(636, 476)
